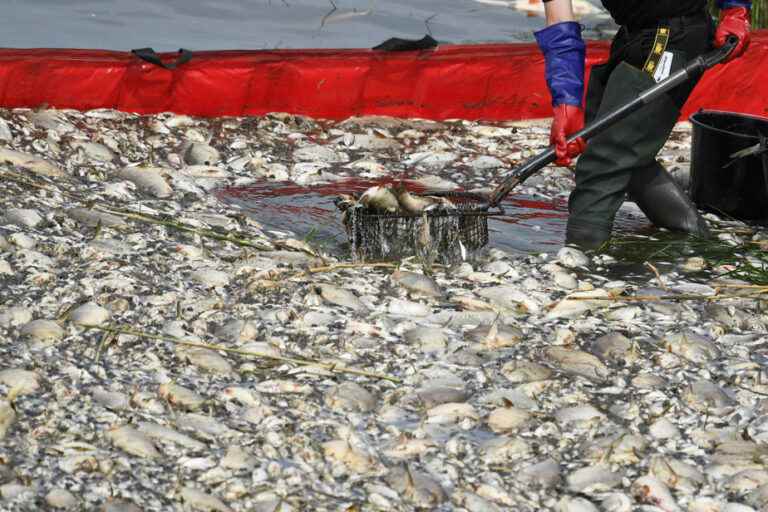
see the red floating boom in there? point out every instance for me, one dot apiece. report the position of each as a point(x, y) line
point(478, 82)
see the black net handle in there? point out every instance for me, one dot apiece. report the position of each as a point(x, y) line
point(694, 68)
point(482, 207)
point(149, 55)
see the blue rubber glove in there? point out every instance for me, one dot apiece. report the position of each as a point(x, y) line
point(727, 4)
point(564, 51)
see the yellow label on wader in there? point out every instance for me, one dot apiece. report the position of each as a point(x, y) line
point(657, 50)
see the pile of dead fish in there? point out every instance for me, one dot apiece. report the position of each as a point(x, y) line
point(397, 199)
point(160, 350)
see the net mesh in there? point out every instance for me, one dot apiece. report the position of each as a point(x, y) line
point(440, 235)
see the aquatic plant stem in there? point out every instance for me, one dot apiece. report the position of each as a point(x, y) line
point(249, 353)
point(681, 297)
point(207, 233)
point(662, 285)
point(742, 287)
point(283, 274)
point(106, 338)
point(141, 217)
point(343, 266)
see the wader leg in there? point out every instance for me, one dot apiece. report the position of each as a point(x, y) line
point(604, 171)
point(663, 201)
point(598, 78)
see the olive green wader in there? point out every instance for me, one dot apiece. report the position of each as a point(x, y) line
point(622, 160)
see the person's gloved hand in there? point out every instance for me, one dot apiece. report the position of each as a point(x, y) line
point(568, 120)
point(564, 52)
point(734, 21)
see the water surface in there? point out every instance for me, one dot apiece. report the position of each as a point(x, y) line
point(254, 24)
point(532, 225)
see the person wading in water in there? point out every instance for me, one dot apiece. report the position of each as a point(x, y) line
point(656, 38)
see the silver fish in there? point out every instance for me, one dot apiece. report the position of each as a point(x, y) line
point(380, 198)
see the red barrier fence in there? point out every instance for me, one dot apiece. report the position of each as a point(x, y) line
point(484, 81)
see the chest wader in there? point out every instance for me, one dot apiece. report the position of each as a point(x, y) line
point(622, 160)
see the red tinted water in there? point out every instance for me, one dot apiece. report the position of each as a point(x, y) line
point(532, 224)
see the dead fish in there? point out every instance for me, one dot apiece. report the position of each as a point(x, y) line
point(351, 396)
point(620, 448)
point(169, 435)
point(417, 283)
point(616, 502)
point(613, 347)
point(180, 396)
point(7, 416)
point(417, 487)
point(291, 244)
point(430, 339)
point(340, 297)
point(751, 150)
point(31, 163)
point(342, 451)
point(652, 491)
point(132, 441)
point(414, 204)
point(204, 359)
point(118, 505)
point(505, 419)
point(451, 413)
point(544, 474)
point(676, 473)
point(111, 399)
point(150, 180)
point(22, 382)
point(61, 498)
point(707, 397)
point(579, 415)
point(578, 504)
point(578, 363)
point(380, 198)
point(522, 371)
point(691, 346)
point(199, 500)
point(197, 153)
point(345, 201)
point(495, 335)
point(405, 447)
point(592, 479)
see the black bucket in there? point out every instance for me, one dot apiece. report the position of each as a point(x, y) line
point(734, 186)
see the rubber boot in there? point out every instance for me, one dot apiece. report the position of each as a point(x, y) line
point(664, 203)
point(604, 171)
point(585, 235)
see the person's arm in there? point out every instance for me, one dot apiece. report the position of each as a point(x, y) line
point(564, 53)
point(734, 21)
point(558, 11)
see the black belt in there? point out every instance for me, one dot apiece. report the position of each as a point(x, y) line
point(675, 23)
